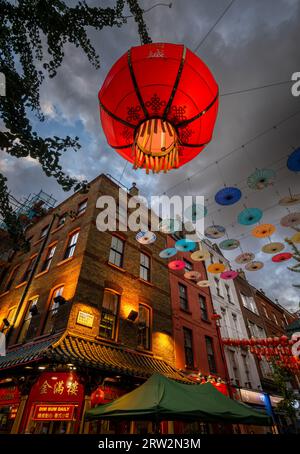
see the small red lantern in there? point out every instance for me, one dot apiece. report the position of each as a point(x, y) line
point(158, 106)
point(216, 317)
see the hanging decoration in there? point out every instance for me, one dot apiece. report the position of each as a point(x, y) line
point(228, 196)
point(169, 226)
point(215, 231)
point(295, 238)
point(192, 275)
point(185, 245)
point(167, 253)
point(195, 212)
point(283, 257)
point(244, 258)
point(158, 106)
point(254, 266)
point(216, 317)
point(261, 178)
point(204, 283)
point(145, 237)
point(293, 162)
point(272, 248)
point(292, 199)
point(176, 265)
point(250, 216)
point(200, 255)
point(290, 220)
point(229, 245)
point(216, 268)
point(263, 230)
point(229, 274)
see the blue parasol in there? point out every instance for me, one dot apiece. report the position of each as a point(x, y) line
point(249, 216)
point(169, 252)
point(185, 245)
point(293, 162)
point(228, 196)
point(229, 245)
point(195, 211)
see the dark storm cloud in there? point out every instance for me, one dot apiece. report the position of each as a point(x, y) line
point(256, 43)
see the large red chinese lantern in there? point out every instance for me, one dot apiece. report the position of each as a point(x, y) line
point(158, 106)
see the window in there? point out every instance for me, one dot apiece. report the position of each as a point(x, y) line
point(188, 347)
point(3, 274)
point(210, 355)
point(265, 368)
point(285, 319)
point(52, 311)
point(29, 269)
point(144, 267)
point(109, 312)
point(11, 278)
point(116, 251)
point(187, 265)
point(249, 303)
point(183, 300)
point(265, 311)
point(234, 368)
point(144, 327)
point(228, 293)
point(70, 249)
point(61, 220)
point(275, 318)
point(9, 318)
point(82, 207)
point(44, 231)
point(256, 331)
point(224, 325)
point(27, 319)
point(218, 289)
point(247, 371)
point(235, 326)
point(48, 259)
point(203, 308)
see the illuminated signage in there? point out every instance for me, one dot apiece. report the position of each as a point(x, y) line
point(54, 412)
point(85, 319)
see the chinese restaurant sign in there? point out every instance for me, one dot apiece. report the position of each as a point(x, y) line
point(57, 387)
point(53, 412)
point(9, 395)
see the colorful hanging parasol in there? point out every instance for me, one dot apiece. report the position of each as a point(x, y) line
point(228, 196)
point(254, 266)
point(229, 245)
point(215, 231)
point(272, 248)
point(145, 237)
point(169, 252)
point(249, 216)
point(296, 238)
point(290, 200)
point(245, 257)
point(290, 220)
point(200, 255)
point(195, 212)
point(169, 226)
point(192, 275)
point(263, 230)
point(293, 162)
point(176, 265)
point(204, 283)
point(185, 245)
point(216, 268)
point(230, 274)
point(282, 257)
point(261, 178)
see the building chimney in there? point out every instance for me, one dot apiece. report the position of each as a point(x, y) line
point(133, 190)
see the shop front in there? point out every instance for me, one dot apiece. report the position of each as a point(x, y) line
point(54, 405)
point(9, 404)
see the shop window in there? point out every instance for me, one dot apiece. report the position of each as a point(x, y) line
point(29, 269)
point(31, 308)
point(109, 314)
point(144, 267)
point(48, 259)
point(203, 308)
point(71, 246)
point(210, 355)
point(144, 329)
point(44, 231)
point(188, 347)
point(187, 265)
point(81, 207)
point(11, 278)
point(53, 309)
point(116, 251)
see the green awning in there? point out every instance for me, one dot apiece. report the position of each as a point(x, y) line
point(165, 399)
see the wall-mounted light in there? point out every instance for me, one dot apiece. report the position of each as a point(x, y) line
point(132, 316)
point(6, 322)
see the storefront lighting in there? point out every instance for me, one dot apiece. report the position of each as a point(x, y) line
point(42, 367)
point(132, 316)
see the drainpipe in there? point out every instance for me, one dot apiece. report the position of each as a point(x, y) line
point(29, 281)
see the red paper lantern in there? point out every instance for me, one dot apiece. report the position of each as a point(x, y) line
point(158, 106)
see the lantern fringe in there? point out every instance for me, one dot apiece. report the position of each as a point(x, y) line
point(156, 163)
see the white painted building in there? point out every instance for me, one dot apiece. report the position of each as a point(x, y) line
point(241, 365)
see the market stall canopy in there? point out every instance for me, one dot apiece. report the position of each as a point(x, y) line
point(160, 398)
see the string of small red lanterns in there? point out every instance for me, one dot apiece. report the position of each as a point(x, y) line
point(277, 349)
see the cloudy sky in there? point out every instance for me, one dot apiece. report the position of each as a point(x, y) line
point(256, 43)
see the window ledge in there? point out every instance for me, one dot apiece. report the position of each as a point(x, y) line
point(39, 241)
point(186, 311)
point(145, 282)
point(58, 228)
point(62, 262)
point(205, 321)
point(144, 350)
point(41, 273)
point(108, 341)
point(21, 284)
point(119, 268)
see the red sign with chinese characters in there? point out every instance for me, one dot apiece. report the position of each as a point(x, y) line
point(9, 395)
point(57, 387)
point(53, 412)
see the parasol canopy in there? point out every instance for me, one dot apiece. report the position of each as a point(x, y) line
point(245, 257)
point(293, 162)
point(263, 230)
point(185, 245)
point(230, 274)
point(290, 220)
point(228, 196)
point(160, 398)
point(216, 268)
point(215, 231)
point(284, 256)
point(273, 248)
point(145, 237)
point(204, 283)
point(192, 275)
point(292, 199)
point(168, 252)
point(254, 266)
point(296, 238)
point(169, 225)
point(176, 265)
point(250, 216)
point(229, 245)
point(195, 212)
point(261, 178)
point(200, 255)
